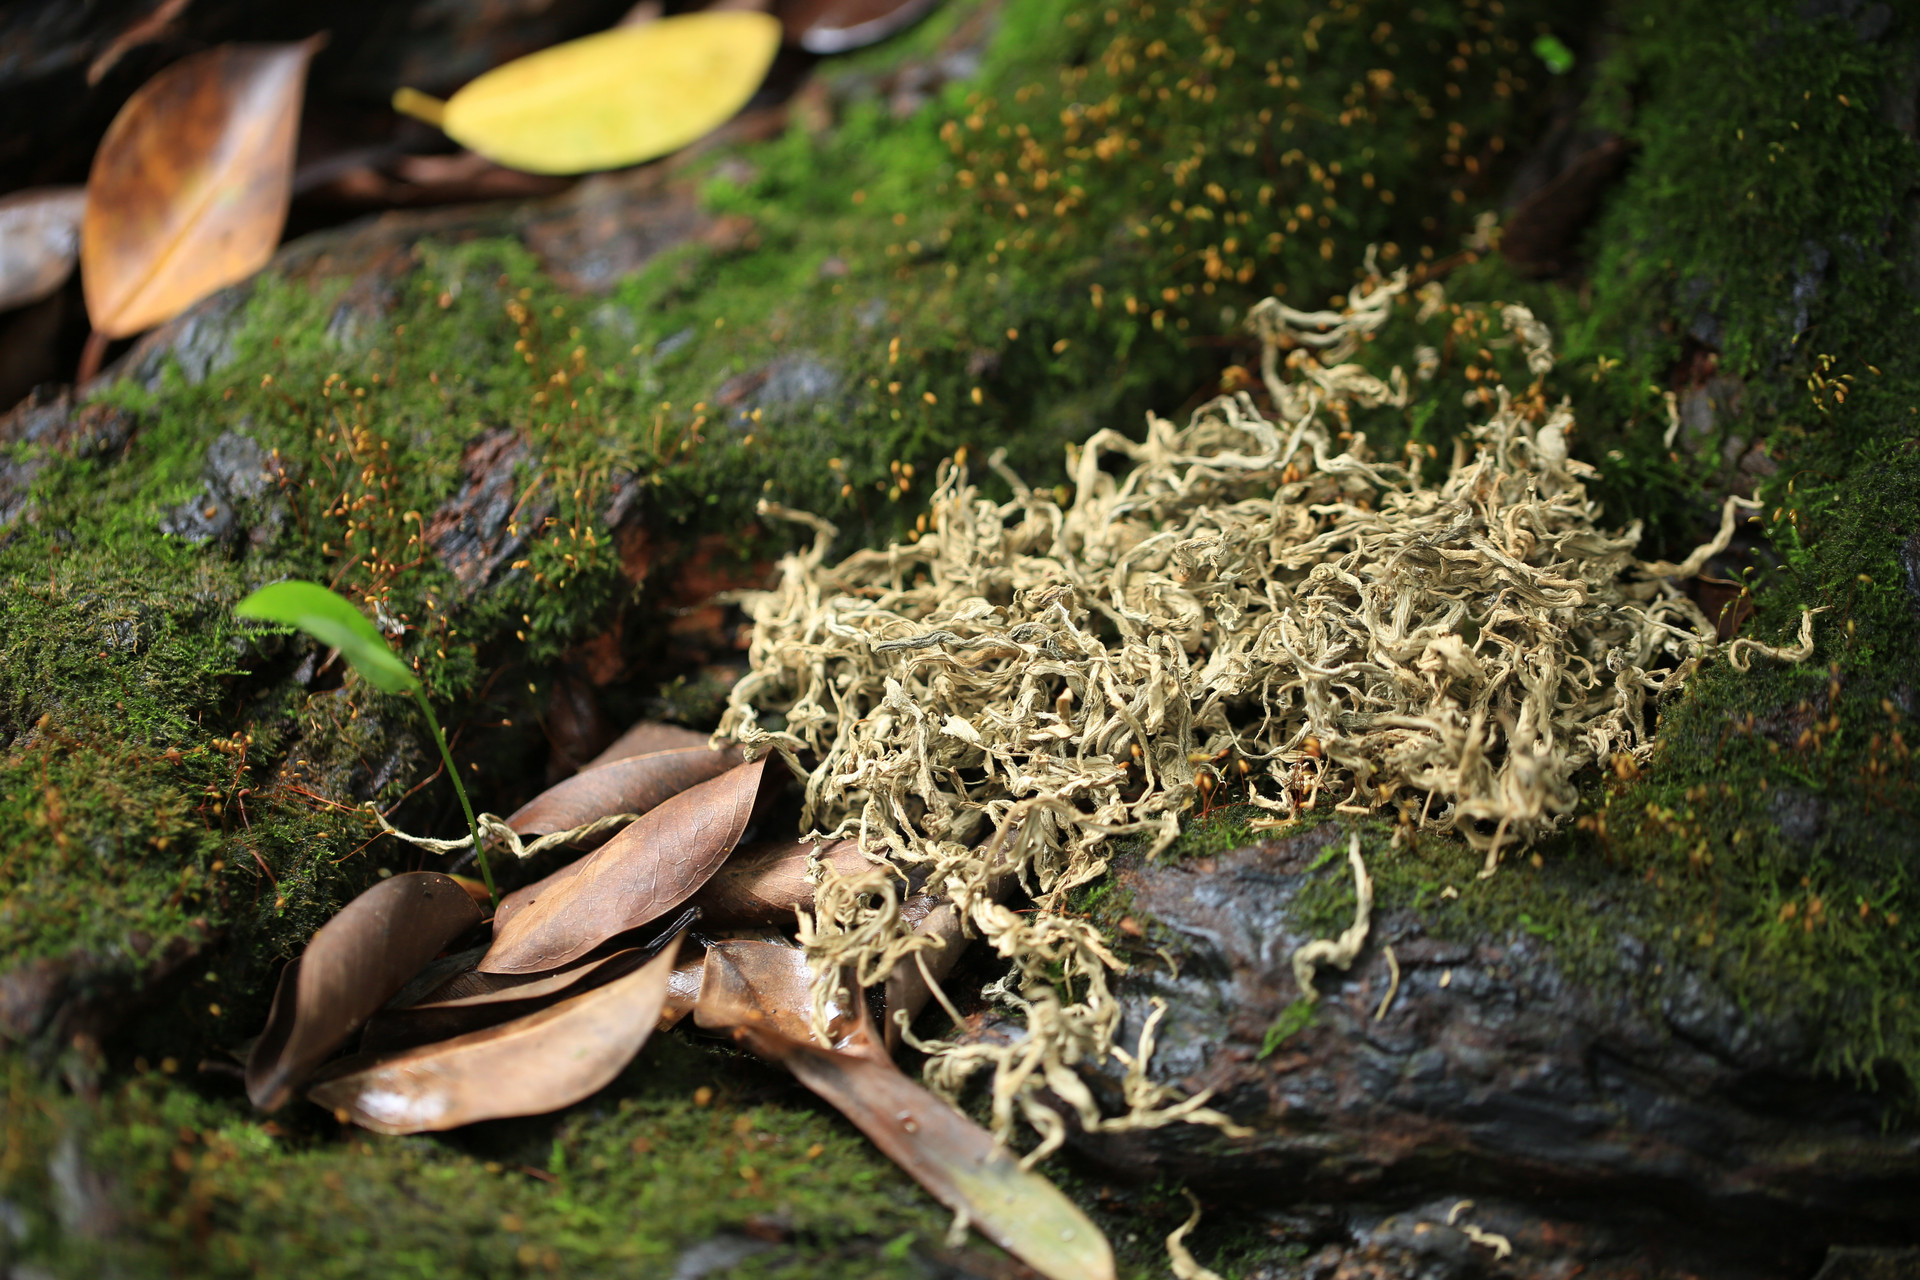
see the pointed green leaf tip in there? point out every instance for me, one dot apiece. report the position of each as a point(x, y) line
point(331, 620)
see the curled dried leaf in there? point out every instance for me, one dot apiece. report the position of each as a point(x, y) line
point(910, 985)
point(190, 187)
point(352, 966)
point(651, 867)
point(763, 883)
point(634, 784)
point(683, 988)
point(530, 1066)
point(748, 981)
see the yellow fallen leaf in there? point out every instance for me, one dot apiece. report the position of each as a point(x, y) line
point(611, 99)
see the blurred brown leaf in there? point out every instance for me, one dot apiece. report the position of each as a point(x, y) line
point(633, 785)
point(835, 26)
point(652, 866)
point(762, 883)
point(351, 967)
point(190, 186)
point(39, 240)
point(530, 1066)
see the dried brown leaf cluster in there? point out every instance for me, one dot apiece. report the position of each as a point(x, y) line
point(1232, 604)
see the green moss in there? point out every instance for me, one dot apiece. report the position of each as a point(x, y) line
point(615, 1188)
point(163, 768)
point(939, 289)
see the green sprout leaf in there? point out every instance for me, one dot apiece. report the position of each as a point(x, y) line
point(1557, 56)
point(330, 619)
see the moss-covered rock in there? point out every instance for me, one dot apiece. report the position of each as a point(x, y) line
point(531, 440)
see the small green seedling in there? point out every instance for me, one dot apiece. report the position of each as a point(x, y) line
point(330, 619)
point(1550, 50)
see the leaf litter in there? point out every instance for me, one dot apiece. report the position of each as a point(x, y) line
point(631, 784)
point(538, 1063)
point(39, 242)
point(653, 865)
point(353, 964)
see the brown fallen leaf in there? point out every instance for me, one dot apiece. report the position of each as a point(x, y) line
point(633, 785)
point(473, 987)
point(513, 903)
point(381, 178)
point(353, 964)
point(651, 867)
point(39, 240)
point(530, 1066)
point(503, 998)
point(955, 1159)
point(190, 187)
point(646, 738)
point(762, 883)
point(835, 26)
point(907, 989)
point(767, 984)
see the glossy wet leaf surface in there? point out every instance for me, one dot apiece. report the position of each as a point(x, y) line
point(634, 784)
point(353, 965)
point(763, 983)
point(190, 187)
point(651, 867)
point(529, 1066)
point(611, 99)
point(39, 241)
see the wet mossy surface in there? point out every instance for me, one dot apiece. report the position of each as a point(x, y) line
point(1054, 244)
